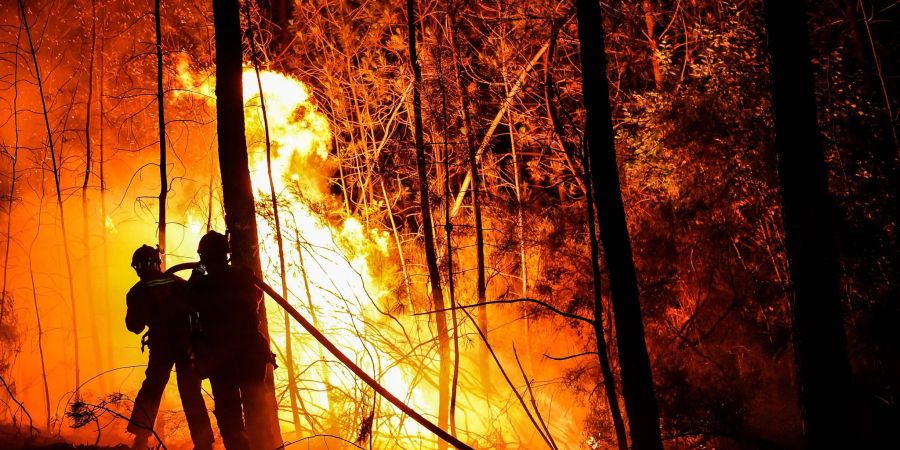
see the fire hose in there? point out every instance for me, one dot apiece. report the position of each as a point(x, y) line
point(358, 371)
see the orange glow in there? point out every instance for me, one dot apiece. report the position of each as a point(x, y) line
point(350, 265)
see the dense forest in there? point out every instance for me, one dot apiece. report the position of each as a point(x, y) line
point(479, 224)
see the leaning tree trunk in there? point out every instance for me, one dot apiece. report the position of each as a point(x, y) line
point(237, 196)
point(637, 379)
point(437, 295)
point(820, 347)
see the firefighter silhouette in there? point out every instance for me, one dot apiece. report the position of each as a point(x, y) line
point(230, 350)
point(157, 302)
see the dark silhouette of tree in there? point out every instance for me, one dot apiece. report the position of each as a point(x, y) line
point(820, 347)
point(637, 381)
point(237, 193)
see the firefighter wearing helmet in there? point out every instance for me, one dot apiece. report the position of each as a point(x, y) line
point(230, 350)
point(156, 302)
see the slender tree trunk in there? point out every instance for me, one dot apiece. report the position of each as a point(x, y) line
point(40, 328)
point(820, 347)
point(160, 101)
point(650, 23)
point(278, 12)
point(237, 194)
point(437, 296)
point(110, 352)
point(59, 202)
point(481, 284)
point(397, 242)
point(520, 212)
point(37, 231)
point(12, 176)
point(856, 39)
point(314, 318)
point(288, 348)
point(507, 102)
point(85, 201)
point(550, 93)
point(448, 229)
point(609, 382)
point(209, 198)
point(637, 379)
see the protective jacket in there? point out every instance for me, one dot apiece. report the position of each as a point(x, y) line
point(158, 304)
point(229, 344)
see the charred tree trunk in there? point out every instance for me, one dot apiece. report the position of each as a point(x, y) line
point(820, 347)
point(160, 103)
point(637, 379)
point(437, 295)
point(237, 195)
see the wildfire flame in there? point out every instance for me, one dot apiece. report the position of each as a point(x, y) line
point(339, 273)
point(329, 276)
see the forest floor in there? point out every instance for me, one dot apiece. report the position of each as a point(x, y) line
point(16, 438)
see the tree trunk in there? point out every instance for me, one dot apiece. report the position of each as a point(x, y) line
point(437, 296)
point(37, 231)
point(237, 193)
point(110, 348)
point(160, 108)
point(481, 284)
point(85, 203)
point(279, 239)
point(448, 229)
point(820, 348)
point(650, 23)
point(12, 183)
point(55, 165)
point(609, 382)
point(637, 379)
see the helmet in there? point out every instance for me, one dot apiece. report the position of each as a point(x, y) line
point(145, 255)
point(213, 243)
